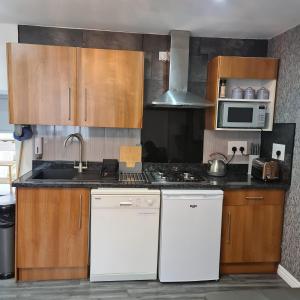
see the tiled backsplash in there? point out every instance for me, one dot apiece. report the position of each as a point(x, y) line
point(217, 141)
point(99, 143)
point(102, 143)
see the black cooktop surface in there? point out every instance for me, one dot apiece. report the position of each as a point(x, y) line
point(175, 176)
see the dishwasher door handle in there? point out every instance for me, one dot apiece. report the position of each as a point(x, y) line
point(126, 203)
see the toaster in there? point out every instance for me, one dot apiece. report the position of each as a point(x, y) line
point(265, 169)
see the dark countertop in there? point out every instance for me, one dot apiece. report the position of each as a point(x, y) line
point(236, 178)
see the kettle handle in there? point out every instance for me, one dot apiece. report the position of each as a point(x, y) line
point(219, 153)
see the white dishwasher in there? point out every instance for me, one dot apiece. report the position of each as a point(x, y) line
point(190, 235)
point(124, 234)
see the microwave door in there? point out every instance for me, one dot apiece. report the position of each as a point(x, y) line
point(238, 116)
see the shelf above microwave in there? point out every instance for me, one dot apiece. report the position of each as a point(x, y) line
point(245, 100)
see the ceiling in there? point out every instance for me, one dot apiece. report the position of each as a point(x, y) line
point(210, 18)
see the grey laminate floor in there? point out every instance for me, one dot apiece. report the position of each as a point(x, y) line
point(142, 289)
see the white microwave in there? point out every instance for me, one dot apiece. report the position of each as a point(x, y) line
point(241, 115)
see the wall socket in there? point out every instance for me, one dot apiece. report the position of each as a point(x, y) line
point(164, 56)
point(237, 144)
point(278, 147)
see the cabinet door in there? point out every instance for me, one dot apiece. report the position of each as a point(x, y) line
point(42, 84)
point(110, 88)
point(252, 226)
point(52, 227)
point(248, 67)
point(263, 231)
point(233, 234)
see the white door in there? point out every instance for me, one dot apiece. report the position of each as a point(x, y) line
point(124, 238)
point(190, 235)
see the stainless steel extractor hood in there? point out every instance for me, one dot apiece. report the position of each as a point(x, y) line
point(178, 96)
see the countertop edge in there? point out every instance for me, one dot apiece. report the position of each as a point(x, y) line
point(232, 181)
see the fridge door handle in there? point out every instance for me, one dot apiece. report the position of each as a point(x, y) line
point(194, 197)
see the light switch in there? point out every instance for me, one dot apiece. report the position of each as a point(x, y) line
point(278, 151)
point(38, 146)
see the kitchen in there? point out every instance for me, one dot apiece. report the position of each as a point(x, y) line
point(117, 138)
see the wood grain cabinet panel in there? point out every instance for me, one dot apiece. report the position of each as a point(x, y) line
point(42, 84)
point(232, 234)
point(53, 85)
point(254, 196)
point(110, 88)
point(248, 67)
point(251, 230)
point(263, 229)
point(212, 92)
point(52, 230)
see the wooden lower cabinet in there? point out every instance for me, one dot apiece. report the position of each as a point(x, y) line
point(251, 231)
point(52, 226)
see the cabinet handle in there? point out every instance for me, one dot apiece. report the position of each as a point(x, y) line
point(80, 212)
point(229, 227)
point(255, 198)
point(69, 99)
point(85, 104)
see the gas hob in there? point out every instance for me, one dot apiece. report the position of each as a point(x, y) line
point(174, 177)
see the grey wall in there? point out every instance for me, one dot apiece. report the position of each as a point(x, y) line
point(287, 47)
point(156, 72)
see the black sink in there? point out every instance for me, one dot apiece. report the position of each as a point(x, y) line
point(61, 174)
point(88, 175)
point(67, 174)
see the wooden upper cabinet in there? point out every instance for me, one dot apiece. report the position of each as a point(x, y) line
point(53, 85)
point(42, 84)
point(110, 88)
point(247, 67)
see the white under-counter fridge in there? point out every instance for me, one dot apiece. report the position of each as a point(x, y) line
point(190, 235)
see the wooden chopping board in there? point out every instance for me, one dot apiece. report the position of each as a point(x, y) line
point(130, 155)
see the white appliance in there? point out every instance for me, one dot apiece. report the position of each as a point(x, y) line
point(124, 234)
point(233, 114)
point(190, 235)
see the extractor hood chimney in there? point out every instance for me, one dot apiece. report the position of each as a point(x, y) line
point(178, 96)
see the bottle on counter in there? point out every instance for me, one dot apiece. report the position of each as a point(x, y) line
point(222, 93)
